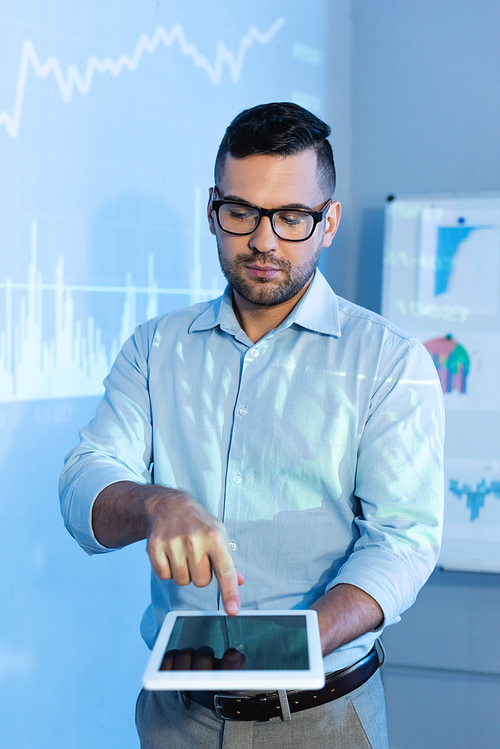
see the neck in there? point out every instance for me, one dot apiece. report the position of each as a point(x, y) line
point(258, 320)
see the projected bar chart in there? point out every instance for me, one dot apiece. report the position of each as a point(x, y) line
point(73, 358)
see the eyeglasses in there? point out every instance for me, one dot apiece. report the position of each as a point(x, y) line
point(290, 224)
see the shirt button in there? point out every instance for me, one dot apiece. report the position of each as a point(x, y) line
point(243, 411)
point(236, 479)
point(254, 352)
point(232, 546)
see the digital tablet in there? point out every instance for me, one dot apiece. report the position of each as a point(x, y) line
point(253, 650)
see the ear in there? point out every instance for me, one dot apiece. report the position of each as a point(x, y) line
point(332, 223)
point(210, 213)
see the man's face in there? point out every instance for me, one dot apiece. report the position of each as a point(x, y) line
point(261, 268)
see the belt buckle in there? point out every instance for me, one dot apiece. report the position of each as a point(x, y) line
point(218, 706)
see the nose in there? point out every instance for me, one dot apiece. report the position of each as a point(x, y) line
point(263, 238)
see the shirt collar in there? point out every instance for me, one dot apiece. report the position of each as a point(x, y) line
point(317, 311)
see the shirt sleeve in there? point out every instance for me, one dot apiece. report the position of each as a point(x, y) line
point(399, 483)
point(115, 446)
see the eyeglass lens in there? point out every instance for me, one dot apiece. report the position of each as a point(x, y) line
point(243, 219)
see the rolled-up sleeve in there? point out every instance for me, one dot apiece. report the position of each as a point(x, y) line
point(115, 445)
point(399, 483)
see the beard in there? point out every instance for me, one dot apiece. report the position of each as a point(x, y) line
point(267, 292)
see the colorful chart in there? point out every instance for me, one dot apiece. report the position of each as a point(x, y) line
point(442, 285)
point(452, 363)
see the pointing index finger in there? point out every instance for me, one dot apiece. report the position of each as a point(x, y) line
point(228, 579)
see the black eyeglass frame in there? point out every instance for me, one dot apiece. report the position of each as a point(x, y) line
point(317, 217)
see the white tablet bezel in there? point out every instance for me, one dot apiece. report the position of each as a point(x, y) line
point(244, 680)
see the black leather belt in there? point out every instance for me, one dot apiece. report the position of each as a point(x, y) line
point(265, 706)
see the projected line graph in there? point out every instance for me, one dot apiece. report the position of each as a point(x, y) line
point(73, 80)
point(46, 351)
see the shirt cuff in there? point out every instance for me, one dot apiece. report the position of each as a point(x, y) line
point(387, 577)
point(78, 501)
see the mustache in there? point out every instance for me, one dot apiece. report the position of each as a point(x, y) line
point(265, 259)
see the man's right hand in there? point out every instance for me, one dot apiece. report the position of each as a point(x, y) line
point(185, 543)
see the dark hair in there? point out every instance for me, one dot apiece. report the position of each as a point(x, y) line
point(282, 129)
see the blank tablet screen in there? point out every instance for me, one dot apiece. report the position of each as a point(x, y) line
point(269, 642)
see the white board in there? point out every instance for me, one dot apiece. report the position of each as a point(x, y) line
point(441, 283)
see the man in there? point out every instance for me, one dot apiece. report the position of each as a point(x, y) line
point(278, 447)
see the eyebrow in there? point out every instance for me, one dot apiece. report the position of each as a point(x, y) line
point(288, 206)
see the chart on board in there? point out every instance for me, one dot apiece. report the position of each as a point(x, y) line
point(442, 284)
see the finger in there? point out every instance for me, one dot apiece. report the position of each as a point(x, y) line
point(200, 571)
point(168, 564)
point(232, 660)
point(159, 560)
point(228, 586)
point(203, 659)
point(178, 562)
point(180, 572)
point(227, 577)
point(167, 663)
point(183, 660)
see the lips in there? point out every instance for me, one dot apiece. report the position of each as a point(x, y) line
point(263, 271)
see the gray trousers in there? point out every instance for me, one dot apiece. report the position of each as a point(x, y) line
point(356, 721)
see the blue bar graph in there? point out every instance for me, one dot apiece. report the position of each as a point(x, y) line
point(475, 497)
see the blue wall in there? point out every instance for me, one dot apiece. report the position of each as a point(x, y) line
point(426, 114)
